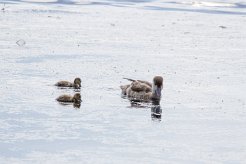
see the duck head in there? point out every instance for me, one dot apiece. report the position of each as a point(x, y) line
point(77, 82)
point(77, 98)
point(157, 86)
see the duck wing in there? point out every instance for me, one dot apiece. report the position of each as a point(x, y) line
point(142, 81)
point(64, 84)
point(138, 94)
point(138, 90)
point(138, 86)
point(145, 82)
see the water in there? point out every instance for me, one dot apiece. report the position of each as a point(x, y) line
point(203, 65)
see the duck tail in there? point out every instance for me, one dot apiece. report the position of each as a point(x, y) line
point(129, 79)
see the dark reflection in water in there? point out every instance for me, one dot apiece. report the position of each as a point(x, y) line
point(155, 106)
point(138, 104)
point(75, 105)
point(68, 88)
point(156, 111)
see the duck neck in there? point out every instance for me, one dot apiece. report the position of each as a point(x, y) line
point(156, 92)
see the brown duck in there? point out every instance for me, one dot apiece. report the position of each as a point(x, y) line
point(140, 90)
point(70, 99)
point(76, 84)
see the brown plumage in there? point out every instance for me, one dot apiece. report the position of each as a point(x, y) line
point(140, 90)
point(76, 84)
point(70, 99)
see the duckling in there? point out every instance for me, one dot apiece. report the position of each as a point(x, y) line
point(76, 84)
point(140, 90)
point(70, 99)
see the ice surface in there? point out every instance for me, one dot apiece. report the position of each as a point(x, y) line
point(204, 67)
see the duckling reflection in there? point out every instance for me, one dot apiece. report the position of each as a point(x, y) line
point(156, 110)
point(77, 105)
point(68, 99)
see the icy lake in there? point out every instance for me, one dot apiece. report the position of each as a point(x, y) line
point(199, 47)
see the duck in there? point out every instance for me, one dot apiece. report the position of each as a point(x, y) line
point(76, 84)
point(76, 98)
point(140, 90)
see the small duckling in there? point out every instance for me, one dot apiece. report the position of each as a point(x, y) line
point(70, 99)
point(76, 84)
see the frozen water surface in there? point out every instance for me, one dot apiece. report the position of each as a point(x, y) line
point(198, 46)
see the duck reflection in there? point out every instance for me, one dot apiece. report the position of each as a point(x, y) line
point(156, 111)
point(68, 99)
point(75, 105)
point(138, 104)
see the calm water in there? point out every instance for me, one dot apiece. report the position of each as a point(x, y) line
point(199, 49)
